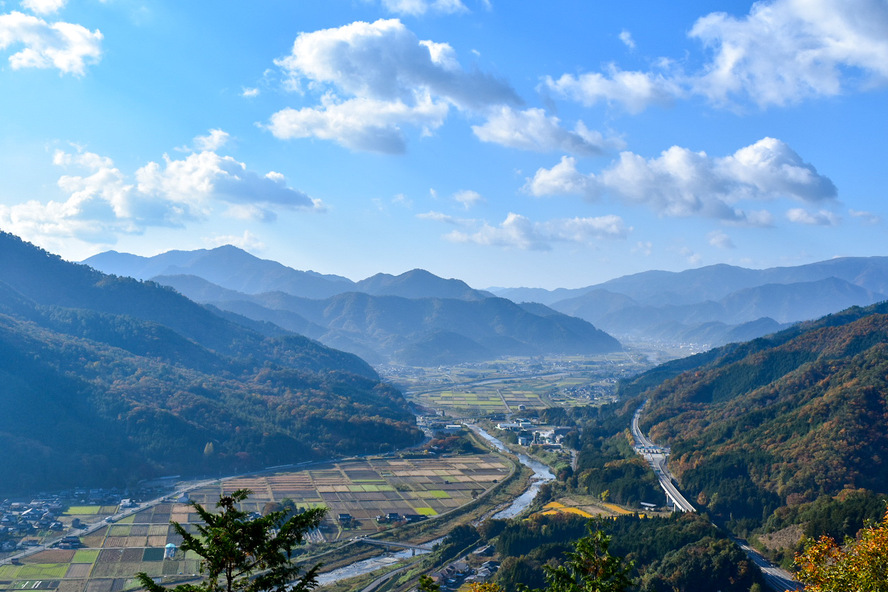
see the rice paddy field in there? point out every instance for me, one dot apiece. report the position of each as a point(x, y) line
point(363, 488)
point(514, 384)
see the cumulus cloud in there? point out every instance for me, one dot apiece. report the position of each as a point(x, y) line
point(632, 91)
point(520, 232)
point(532, 129)
point(66, 46)
point(563, 179)
point(421, 7)
point(681, 182)
point(781, 52)
point(788, 50)
point(818, 218)
point(103, 202)
point(43, 6)
point(360, 123)
point(375, 78)
point(212, 141)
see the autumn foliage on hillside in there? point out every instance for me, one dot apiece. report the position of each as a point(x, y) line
point(861, 564)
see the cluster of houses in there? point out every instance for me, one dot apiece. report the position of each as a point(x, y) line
point(468, 570)
point(19, 520)
point(529, 433)
point(394, 517)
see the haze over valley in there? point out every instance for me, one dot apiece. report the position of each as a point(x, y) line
point(446, 295)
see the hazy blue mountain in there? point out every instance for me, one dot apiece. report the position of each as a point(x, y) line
point(110, 380)
point(540, 295)
point(714, 305)
point(418, 331)
point(226, 266)
point(788, 303)
point(715, 282)
point(418, 283)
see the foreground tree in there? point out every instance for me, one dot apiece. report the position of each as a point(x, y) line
point(860, 565)
point(590, 567)
point(244, 554)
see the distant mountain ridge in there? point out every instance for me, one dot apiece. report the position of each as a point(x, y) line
point(403, 330)
point(415, 318)
point(716, 303)
point(226, 266)
point(110, 380)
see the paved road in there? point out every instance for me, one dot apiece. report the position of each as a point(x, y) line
point(656, 457)
point(777, 579)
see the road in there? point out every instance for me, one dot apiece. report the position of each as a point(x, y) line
point(777, 579)
point(656, 457)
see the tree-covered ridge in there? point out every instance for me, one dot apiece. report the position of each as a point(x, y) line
point(780, 420)
point(91, 394)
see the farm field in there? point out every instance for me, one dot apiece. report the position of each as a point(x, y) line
point(514, 384)
point(364, 489)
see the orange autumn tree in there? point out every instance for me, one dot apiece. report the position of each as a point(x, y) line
point(860, 565)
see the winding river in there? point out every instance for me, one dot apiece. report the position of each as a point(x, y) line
point(541, 474)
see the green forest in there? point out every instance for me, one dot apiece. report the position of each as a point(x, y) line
point(109, 380)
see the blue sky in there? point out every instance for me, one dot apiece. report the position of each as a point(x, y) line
point(553, 144)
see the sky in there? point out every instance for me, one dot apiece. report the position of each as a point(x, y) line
point(537, 144)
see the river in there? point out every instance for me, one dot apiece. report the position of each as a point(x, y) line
point(541, 474)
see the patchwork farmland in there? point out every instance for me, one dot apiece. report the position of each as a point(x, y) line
point(362, 489)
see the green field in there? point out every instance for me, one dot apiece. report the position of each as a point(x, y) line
point(363, 488)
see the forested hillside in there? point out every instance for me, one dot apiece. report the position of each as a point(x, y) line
point(778, 421)
point(109, 380)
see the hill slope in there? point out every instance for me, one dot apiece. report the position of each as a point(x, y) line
point(109, 380)
point(778, 420)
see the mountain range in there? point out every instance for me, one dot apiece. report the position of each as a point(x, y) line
point(109, 379)
point(717, 304)
point(708, 306)
point(415, 318)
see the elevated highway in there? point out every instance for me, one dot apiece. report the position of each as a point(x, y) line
point(656, 457)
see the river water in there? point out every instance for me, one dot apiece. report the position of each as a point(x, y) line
point(541, 474)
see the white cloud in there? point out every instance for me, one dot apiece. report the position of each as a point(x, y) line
point(213, 141)
point(681, 182)
point(720, 239)
point(531, 129)
point(626, 38)
point(563, 179)
point(633, 91)
point(43, 6)
point(249, 92)
point(781, 52)
point(819, 218)
point(102, 202)
point(421, 7)
point(468, 198)
point(374, 79)
point(520, 232)
point(66, 46)
point(788, 50)
point(359, 124)
point(445, 219)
